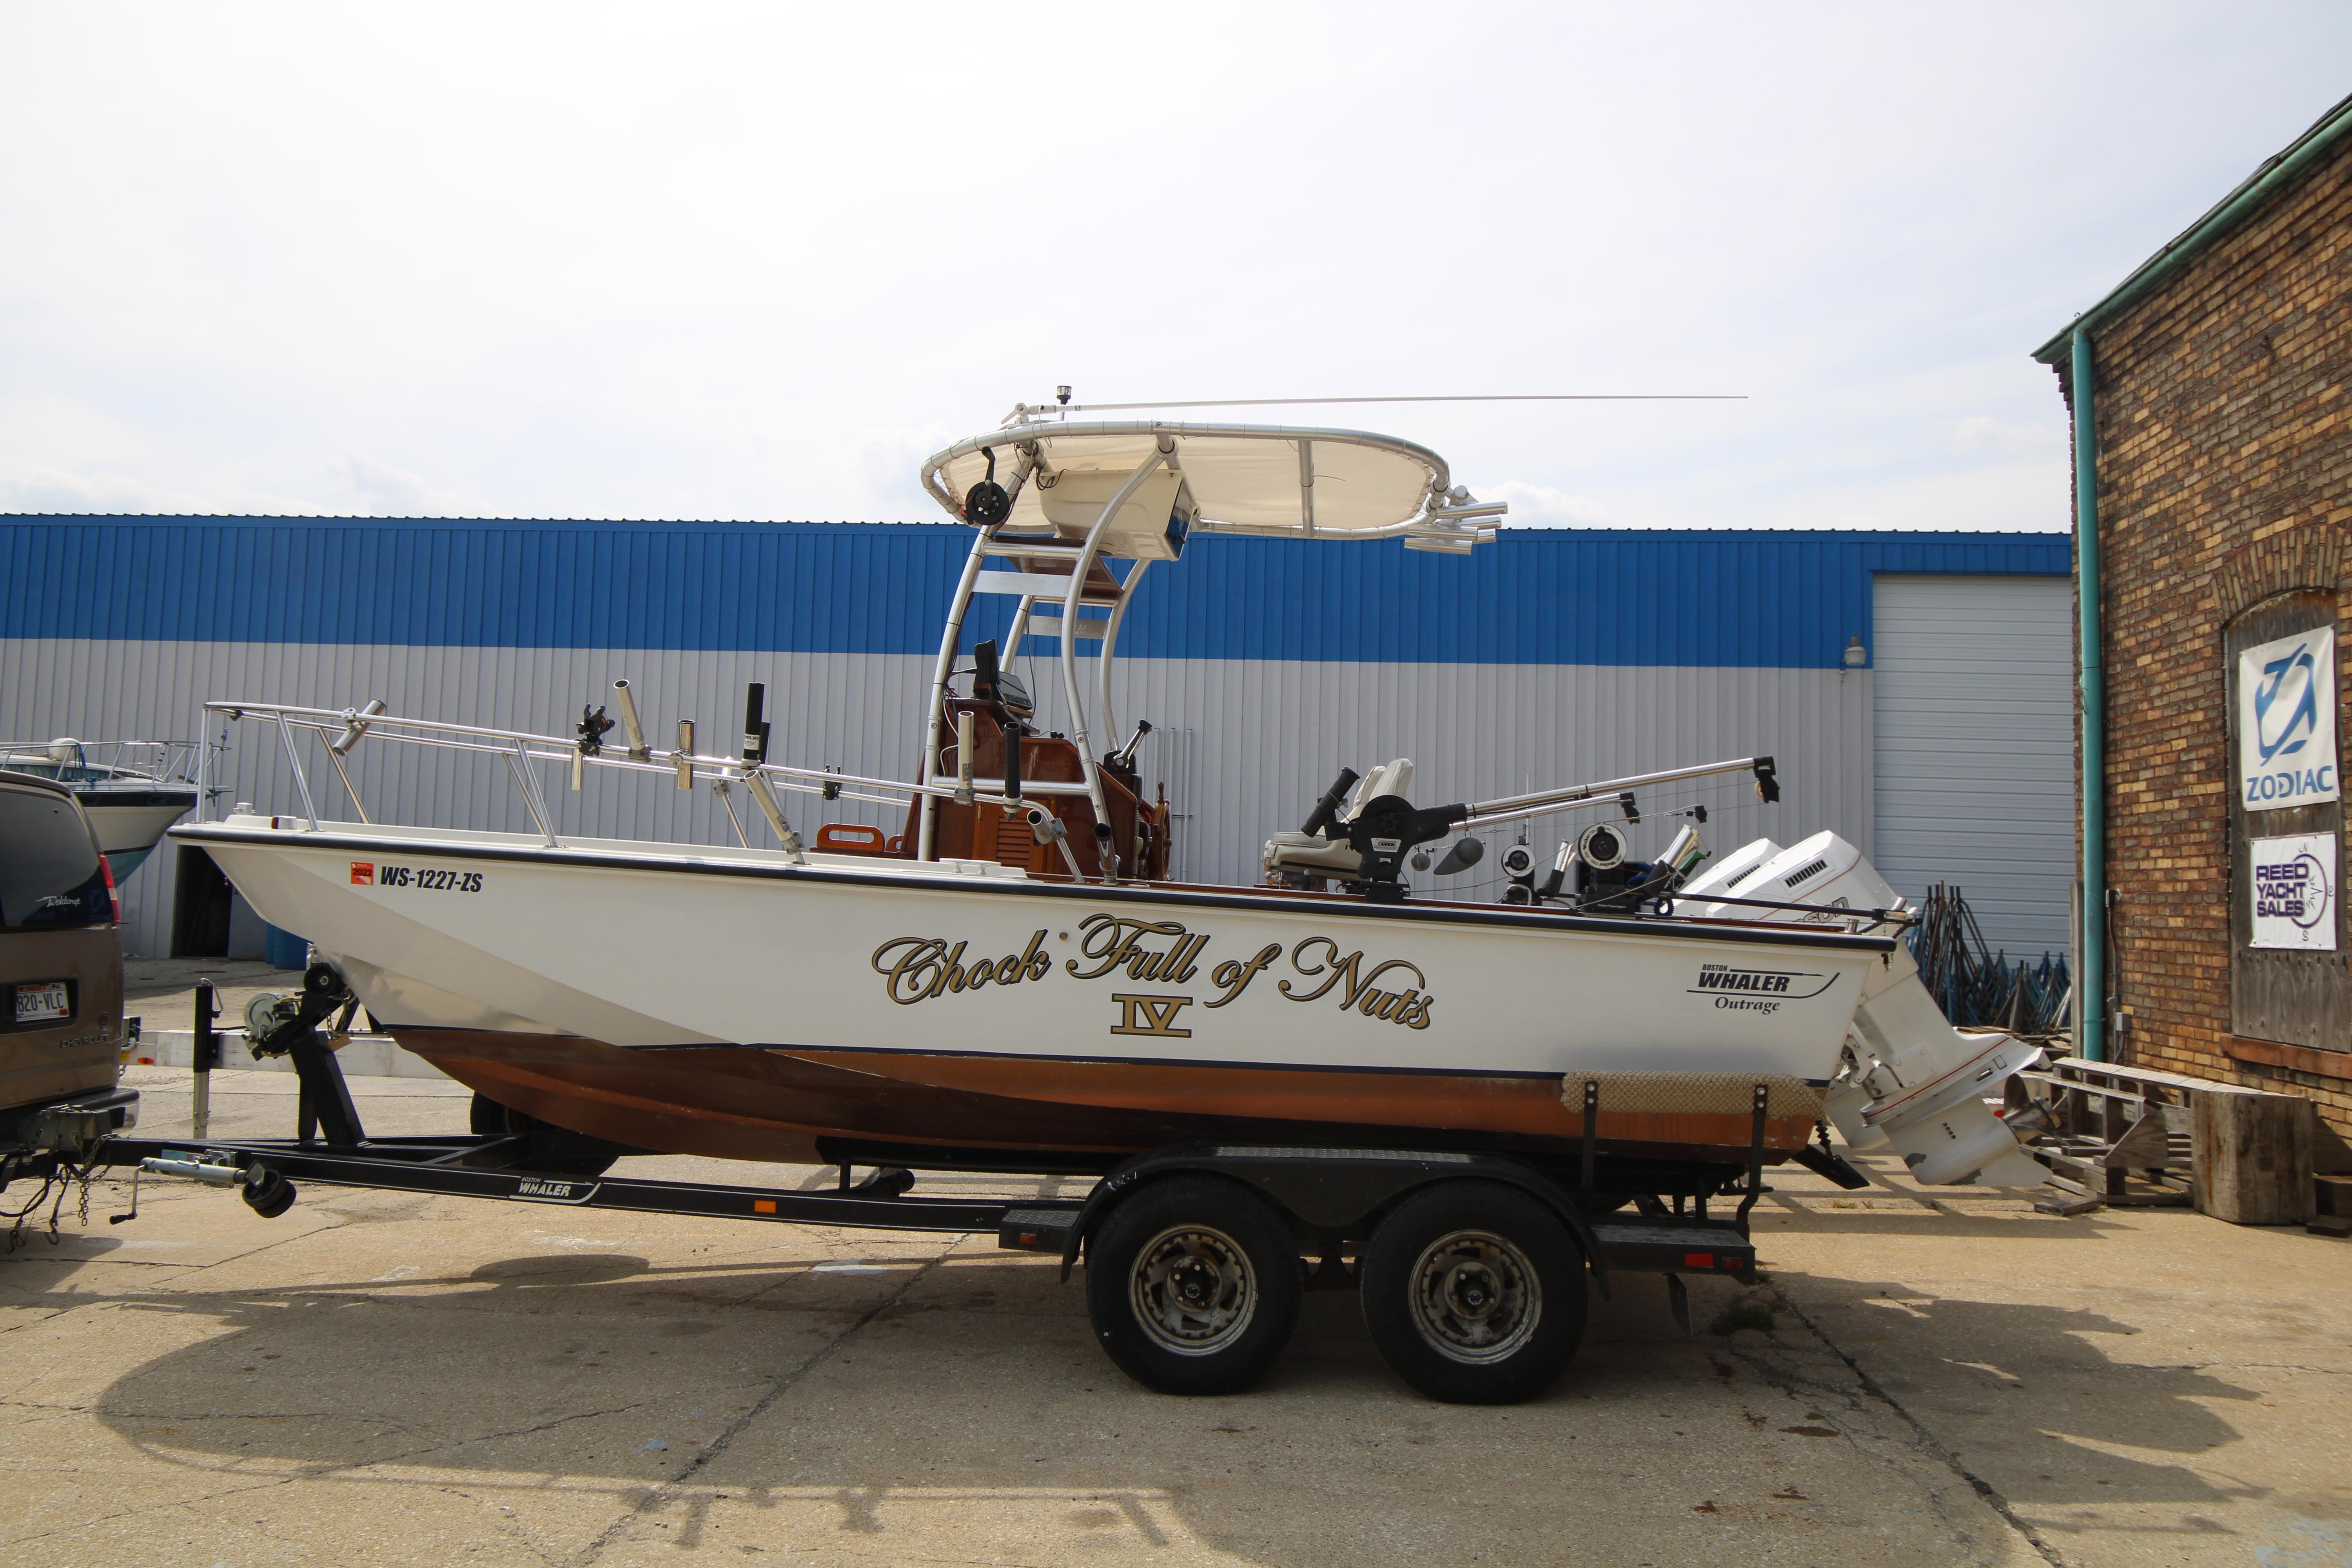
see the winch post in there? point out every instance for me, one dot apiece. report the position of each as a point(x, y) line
point(1591, 1132)
point(326, 1100)
point(206, 1056)
point(326, 1097)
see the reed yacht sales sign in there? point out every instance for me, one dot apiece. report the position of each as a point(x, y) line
point(2286, 721)
point(2294, 891)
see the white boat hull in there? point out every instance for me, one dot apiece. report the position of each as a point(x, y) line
point(539, 974)
point(127, 833)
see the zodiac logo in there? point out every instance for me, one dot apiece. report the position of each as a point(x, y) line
point(2289, 688)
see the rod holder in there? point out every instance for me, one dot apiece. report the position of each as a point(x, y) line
point(1557, 877)
point(765, 799)
point(354, 726)
point(1324, 817)
point(639, 750)
point(755, 726)
point(579, 766)
point(685, 757)
point(963, 758)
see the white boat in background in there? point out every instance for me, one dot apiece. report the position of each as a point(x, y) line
point(1013, 982)
point(130, 790)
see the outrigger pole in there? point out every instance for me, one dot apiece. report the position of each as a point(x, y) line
point(1518, 808)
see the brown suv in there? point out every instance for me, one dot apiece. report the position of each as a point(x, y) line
point(61, 975)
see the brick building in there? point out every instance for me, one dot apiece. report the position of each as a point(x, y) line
point(2214, 549)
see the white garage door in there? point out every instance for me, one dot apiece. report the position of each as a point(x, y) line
point(1975, 713)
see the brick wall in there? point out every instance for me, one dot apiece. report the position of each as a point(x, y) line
point(2225, 476)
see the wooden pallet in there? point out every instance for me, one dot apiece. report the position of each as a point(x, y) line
point(2139, 1137)
point(2114, 1137)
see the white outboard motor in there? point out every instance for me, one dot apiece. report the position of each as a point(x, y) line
point(1909, 1079)
point(1727, 875)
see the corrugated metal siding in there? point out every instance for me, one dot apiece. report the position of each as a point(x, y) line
point(1975, 749)
point(1667, 598)
point(1245, 746)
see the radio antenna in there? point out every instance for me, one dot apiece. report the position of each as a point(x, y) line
point(1068, 408)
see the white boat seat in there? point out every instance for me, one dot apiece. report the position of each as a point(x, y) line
point(1312, 852)
point(1393, 777)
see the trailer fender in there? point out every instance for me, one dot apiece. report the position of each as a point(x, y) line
point(1330, 1191)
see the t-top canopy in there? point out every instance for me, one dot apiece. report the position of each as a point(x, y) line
point(1232, 478)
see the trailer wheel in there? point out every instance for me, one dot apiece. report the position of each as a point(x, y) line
point(1473, 1292)
point(1193, 1286)
point(553, 1149)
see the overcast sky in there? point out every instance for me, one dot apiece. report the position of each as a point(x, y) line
point(671, 261)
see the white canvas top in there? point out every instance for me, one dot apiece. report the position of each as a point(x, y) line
point(1255, 479)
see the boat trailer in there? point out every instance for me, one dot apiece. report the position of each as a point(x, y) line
point(1248, 1207)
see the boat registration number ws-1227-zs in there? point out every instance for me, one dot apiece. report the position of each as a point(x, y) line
point(425, 879)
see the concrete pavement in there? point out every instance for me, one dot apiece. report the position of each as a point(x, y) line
point(386, 1379)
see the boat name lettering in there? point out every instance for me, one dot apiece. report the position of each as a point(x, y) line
point(918, 968)
point(1122, 947)
point(1115, 941)
point(1234, 975)
point(1320, 956)
point(1151, 1015)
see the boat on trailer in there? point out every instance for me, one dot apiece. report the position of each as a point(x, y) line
point(1013, 982)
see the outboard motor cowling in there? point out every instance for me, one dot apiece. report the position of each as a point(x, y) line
point(1907, 1078)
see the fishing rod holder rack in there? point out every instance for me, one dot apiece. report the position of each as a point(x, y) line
point(339, 731)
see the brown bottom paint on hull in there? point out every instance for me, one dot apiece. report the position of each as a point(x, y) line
point(772, 1104)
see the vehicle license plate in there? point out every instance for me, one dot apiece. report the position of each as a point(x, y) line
point(40, 1000)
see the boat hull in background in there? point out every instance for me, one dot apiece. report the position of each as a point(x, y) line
point(129, 822)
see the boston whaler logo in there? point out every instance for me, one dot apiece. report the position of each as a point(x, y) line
point(1164, 954)
point(540, 1190)
point(1756, 990)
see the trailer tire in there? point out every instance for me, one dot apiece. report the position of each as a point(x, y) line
point(1473, 1292)
point(554, 1150)
point(1194, 1284)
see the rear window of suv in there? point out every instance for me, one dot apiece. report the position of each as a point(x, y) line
point(49, 870)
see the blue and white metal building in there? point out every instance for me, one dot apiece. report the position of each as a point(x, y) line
point(1915, 688)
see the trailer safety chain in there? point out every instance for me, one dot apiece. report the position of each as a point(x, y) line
point(61, 1177)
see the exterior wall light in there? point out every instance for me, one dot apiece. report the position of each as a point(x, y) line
point(1854, 656)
